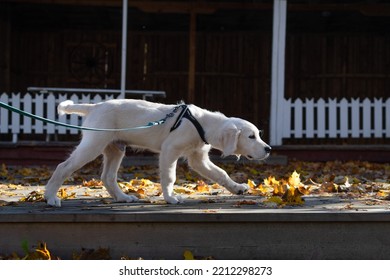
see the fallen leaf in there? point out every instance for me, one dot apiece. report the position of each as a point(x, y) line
point(292, 196)
point(274, 199)
point(3, 170)
point(246, 202)
point(294, 180)
point(251, 184)
point(34, 196)
point(92, 254)
point(93, 183)
point(202, 187)
point(329, 187)
point(188, 255)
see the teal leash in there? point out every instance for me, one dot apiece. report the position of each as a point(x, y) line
point(150, 124)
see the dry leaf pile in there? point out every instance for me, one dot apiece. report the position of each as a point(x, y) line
point(273, 185)
point(280, 185)
point(41, 252)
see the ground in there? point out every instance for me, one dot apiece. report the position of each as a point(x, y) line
point(285, 185)
point(285, 189)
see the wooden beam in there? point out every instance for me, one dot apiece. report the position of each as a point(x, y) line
point(376, 9)
point(200, 7)
point(192, 59)
point(158, 6)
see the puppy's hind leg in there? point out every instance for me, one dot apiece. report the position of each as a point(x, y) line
point(84, 153)
point(113, 155)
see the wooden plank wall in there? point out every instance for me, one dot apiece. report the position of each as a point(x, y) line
point(232, 69)
point(232, 66)
point(337, 65)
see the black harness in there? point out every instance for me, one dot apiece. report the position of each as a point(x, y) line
point(186, 113)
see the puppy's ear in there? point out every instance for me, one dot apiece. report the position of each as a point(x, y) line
point(229, 139)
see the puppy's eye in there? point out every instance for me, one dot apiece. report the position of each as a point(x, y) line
point(252, 137)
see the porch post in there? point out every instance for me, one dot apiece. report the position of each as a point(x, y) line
point(124, 48)
point(277, 75)
point(192, 58)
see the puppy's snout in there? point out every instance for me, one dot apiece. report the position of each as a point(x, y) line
point(268, 149)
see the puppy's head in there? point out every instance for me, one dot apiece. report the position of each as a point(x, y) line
point(240, 137)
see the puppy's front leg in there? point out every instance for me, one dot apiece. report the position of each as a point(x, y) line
point(200, 162)
point(168, 162)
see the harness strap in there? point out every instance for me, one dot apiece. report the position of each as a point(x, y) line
point(186, 113)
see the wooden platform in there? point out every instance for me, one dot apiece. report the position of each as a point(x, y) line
point(221, 227)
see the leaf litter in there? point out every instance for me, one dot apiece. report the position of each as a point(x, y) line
point(274, 186)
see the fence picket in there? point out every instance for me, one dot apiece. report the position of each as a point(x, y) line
point(15, 119)
point(286, 133)
point(298, 118)
point(27, 122)
point(366, 118)
point(51, 109)
point(387, 119)
point(38, 102)
point(309, 118)
point(74, 119)
point(4, 120)
point(378, 118)
point(61, 129)
point(321, 118)
point(344, 120)
point(332, 107)
point(355, 118)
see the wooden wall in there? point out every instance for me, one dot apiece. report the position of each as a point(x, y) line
point(338, 65)
point(65, 46)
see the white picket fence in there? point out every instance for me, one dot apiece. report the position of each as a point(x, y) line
point(44, 105)
point(299, 119)
point(333, 118)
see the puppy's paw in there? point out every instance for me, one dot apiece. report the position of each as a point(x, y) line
point(53, 201)
point(127, 198)
point(174, 199)
point(240, 189)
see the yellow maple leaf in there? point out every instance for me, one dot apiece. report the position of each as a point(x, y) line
point(92, 183)
point(40, 253)
point(33, 196)
point(183, 190)
point(64, 194)
point(294, 179)
point(383, 194)
point(261, 190)
point(292, 196)
point(188, 255)
point(202, 188)
point(280, 189)
point(305, 190)
point(251, 184)
point(3, 170)
point(274, 199)
point(271, 181)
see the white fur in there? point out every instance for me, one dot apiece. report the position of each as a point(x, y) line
point(63, 106)
point(232, 136)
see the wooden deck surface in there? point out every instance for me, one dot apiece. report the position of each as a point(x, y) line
point(222, 227)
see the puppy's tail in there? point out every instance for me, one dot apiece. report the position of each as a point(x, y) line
point(68, 107)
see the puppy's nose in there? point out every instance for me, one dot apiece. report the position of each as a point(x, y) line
point(268, 149)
